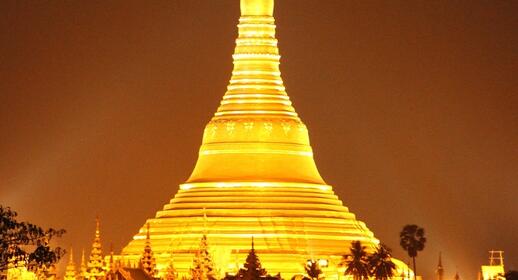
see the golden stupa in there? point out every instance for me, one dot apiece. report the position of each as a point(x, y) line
point(255, 176)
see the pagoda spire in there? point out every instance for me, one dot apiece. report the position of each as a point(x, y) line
point(96, 267)
point(83, 269)
point(111, 265)
point(457, 276)
point(147, 261)
point(255, 131)
point(439, 273)
point(70, 272)
point(256, 87)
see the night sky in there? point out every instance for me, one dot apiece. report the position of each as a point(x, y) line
point(412, 108)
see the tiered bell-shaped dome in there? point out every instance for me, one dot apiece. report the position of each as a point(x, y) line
point(255, 176)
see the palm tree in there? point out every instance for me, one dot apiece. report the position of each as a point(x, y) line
point(313, 269)
point(412, 240)
point(356, 262)
point(382, 267)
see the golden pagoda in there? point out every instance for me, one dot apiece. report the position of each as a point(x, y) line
point(255, 176)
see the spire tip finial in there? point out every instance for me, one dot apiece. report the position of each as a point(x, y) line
point(97, 231)
point(257, 7)
point(71, 257)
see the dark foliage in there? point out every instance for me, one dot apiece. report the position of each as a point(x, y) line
point(380, 262)
point(356, 262)
point(22, 242)
point(313, 269)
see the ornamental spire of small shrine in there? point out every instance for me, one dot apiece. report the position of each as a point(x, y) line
point(112, 265)
point(96, 266)
point(252, 269)
point(70, 272)
point(171, 273)
point(83, 269)
point(202, 265)
point(147, 261)
point(439, 273)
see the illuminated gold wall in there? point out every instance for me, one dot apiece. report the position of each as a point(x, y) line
point(255, 176)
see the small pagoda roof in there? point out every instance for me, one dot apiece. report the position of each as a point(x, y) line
point(252, 269)
point(121, 273)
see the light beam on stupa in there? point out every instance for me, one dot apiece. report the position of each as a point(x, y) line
point(255, 176)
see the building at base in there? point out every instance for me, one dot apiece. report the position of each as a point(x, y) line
point(495, 270)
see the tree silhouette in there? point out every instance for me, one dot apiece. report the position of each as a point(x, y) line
point(356, 262)
point(313, 269)
point(412, 240)
point(26, 243)
point(511, 275)
point(380, 262)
